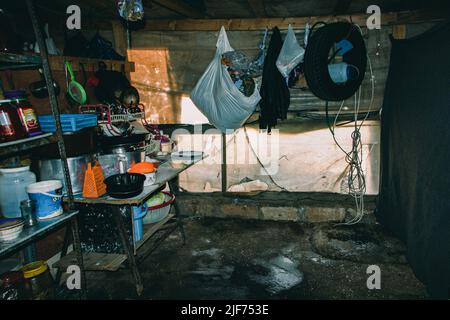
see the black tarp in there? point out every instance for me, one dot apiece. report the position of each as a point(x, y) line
point(414, 200)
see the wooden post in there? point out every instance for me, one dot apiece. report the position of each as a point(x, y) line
point(120, 37)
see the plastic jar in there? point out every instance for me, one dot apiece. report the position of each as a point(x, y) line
point(27, 117)
point(14, 287)
point(13, 183)
point(40, 279)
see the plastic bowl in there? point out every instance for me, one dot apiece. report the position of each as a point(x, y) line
point(125, 185)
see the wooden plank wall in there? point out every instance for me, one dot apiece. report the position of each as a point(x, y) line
point(168, 65)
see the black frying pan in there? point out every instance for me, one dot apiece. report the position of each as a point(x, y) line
point(39, 88)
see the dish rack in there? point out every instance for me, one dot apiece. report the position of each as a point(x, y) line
point(105, 116)
point(69, 122)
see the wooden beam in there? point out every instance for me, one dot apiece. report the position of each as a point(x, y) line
point(388, 18)
point(341, 6)
point(120, 37)
point(180, 7)
point(258, 8)
point(399, 31)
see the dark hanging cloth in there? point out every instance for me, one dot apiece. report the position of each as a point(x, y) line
point(275, 96)
point(414, 200)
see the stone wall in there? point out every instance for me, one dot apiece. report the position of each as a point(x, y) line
point(277, 206)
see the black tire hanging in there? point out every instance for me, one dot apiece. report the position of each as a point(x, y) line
point(317, 55)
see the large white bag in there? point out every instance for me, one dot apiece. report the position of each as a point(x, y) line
point(291, 54)
point(217, 97)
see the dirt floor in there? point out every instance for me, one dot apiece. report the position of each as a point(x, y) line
point(244, 259)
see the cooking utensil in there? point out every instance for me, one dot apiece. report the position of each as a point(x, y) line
point(130, 97)
point(52, 170)
point(77, 144)
point(125, 185)
point(74, 88)
point(111, 162)
point(94, 187)
point(39, 88)
point(129, 143)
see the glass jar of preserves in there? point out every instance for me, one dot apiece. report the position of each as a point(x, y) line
point(38, 275)
point(27, 117)
point(14, 287)
point(11, 127)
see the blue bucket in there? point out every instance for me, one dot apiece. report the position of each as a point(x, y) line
point(138, 214)
point(48, 198)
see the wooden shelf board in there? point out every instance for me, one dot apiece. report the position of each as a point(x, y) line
point(151, 229)
point(15, 61)
point(93, 261)
point(26, 144)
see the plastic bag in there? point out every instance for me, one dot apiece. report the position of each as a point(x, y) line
point(238, 61)
point(217, 97)
point(291, 54)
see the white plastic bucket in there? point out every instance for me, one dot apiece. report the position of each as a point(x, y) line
point(48, 197)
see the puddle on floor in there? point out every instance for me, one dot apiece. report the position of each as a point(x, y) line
point(282, 274)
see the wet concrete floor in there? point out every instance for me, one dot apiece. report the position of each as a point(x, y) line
point(247, 259)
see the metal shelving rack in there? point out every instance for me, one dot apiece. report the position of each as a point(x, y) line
point(14, 62)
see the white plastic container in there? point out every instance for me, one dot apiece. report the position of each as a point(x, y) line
point(13, 183)
point(48, 197)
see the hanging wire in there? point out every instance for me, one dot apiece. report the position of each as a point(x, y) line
point(356, 178)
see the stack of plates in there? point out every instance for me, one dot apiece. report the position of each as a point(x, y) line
point(10, 229)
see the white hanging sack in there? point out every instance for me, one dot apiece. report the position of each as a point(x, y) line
point(291, 54)
point(217, 97)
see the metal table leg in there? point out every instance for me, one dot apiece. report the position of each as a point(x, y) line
point(173, 188)
point(79, 254)
point(128, 249)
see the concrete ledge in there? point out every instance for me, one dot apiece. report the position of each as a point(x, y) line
point(277, 206)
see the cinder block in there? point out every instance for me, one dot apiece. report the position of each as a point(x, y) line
point(320, 214)
point(239, 210)
point(280, 213)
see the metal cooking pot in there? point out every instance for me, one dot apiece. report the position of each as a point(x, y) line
point(52, 170)
point(129, 143)
point(111, 162)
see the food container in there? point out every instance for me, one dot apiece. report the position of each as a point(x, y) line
point(13, 183)
point(48, 197)
point(28, 117)
point(14, 287)
point(10, 229)
point(28, 209)
point(40, 279)
point(11, 127)
point(147, 169)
